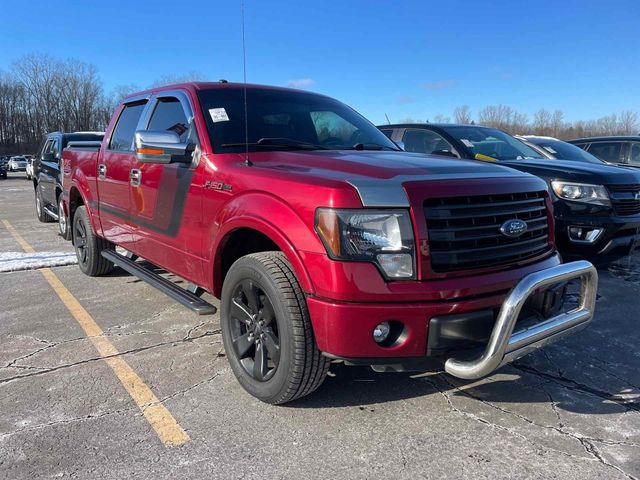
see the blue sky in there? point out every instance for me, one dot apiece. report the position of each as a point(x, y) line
point(406, 59)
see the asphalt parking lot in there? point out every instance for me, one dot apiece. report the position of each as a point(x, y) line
point(69, 409)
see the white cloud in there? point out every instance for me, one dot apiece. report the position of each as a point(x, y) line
point(439, 85)
point(301, 83)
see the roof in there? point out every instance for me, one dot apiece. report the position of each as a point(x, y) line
point(427, 124)
point(195, 86)
point(635, 138)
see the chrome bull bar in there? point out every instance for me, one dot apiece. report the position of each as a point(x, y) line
point(506, 346)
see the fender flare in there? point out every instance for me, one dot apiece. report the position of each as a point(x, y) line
point(274, 234)
point(80, 182)
point(243, 211)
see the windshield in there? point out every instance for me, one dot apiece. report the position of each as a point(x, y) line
point(565, 151)
point(284, 119)
point(483, 142)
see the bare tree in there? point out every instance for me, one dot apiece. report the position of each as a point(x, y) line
point(462, 114)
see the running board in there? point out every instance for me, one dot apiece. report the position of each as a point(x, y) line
point(50, 213)
point(180, 295)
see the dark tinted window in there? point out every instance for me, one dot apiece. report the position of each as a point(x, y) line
point(635, 154)
point(169, 115)
point(426, 141)
point(122, 138)
point(564, 150)
point(283, 114)
point(607, 151)
point(388, 132)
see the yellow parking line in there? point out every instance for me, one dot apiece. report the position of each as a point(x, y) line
point(167, 428)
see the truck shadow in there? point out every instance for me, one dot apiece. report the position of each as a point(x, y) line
point(360, 386)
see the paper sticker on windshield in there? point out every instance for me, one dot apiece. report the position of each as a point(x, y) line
point(218, 115)
point(466, 142)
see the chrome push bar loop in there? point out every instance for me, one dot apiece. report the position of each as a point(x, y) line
point(506, 346)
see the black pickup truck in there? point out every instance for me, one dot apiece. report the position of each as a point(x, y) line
point(596, 206)
point(47, 177)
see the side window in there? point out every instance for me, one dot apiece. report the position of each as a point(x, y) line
point(607, 151)
point(122, 137)
point(426, 141)
point(46, 148)
point(634, 156)
point(169, 115)
point(388, 132)
point(331, 126)
point(55, 148)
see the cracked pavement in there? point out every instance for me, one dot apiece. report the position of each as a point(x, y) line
point(571, 410)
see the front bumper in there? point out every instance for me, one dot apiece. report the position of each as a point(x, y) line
point(618, 235)
point(344, 330)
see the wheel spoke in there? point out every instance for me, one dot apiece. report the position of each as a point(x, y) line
point(260, 363)
point(240, 312)
point(243, 344)
point(251, 292)
point(268, 315)
point(272, 345)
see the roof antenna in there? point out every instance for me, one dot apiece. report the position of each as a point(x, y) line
point(247, 162)
point(387, 117)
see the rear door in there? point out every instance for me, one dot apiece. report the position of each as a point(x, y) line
point(44, 178)
point(115, 163)
point(165, 207)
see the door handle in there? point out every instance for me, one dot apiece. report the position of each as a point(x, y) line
point(134, 177)
point(102, 171)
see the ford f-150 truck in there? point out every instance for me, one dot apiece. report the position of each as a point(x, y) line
point(321, 238)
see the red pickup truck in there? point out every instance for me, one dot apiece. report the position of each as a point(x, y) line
point(323, 240)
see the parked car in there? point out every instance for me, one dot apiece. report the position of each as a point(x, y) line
point(553, 148)
point(311, 227)
point(596, 206)
point(624, 150)
point(17, 164)
point(47, 176)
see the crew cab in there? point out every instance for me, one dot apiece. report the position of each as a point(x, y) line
point(321, 238)
point(596, 206)
point(47, 175)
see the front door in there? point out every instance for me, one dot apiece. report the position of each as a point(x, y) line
point(114, 176)
point(166, 208)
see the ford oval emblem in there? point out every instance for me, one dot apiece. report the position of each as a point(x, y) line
point(513, 228)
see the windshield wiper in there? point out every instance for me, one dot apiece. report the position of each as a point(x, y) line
point(371, 146)
point(279, 142)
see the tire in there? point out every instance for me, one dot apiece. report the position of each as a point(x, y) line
point(89, 246)
point(262, 287)
point(63, 221)
point(42, 215)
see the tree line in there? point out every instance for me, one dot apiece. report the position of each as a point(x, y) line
point(41, 94)
point(542, 122)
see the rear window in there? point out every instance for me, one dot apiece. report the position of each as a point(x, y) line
point(122, 137)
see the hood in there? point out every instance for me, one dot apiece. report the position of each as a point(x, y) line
point(570, 170)
point(376, 165)
point(379, 177)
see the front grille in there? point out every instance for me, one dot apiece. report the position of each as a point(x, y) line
point(625, 199)
point(464, 232)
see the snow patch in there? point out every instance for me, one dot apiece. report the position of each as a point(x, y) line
point(15, 261)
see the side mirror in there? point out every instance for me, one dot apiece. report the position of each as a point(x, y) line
point(400, 144)
point(162, 147)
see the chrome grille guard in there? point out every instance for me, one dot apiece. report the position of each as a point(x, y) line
point(506, 346)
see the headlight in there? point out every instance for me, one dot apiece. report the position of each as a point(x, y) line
point(581, 192)
point(384, 237)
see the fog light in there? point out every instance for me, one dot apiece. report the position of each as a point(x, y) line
point(584, 234)
point(381, 332)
